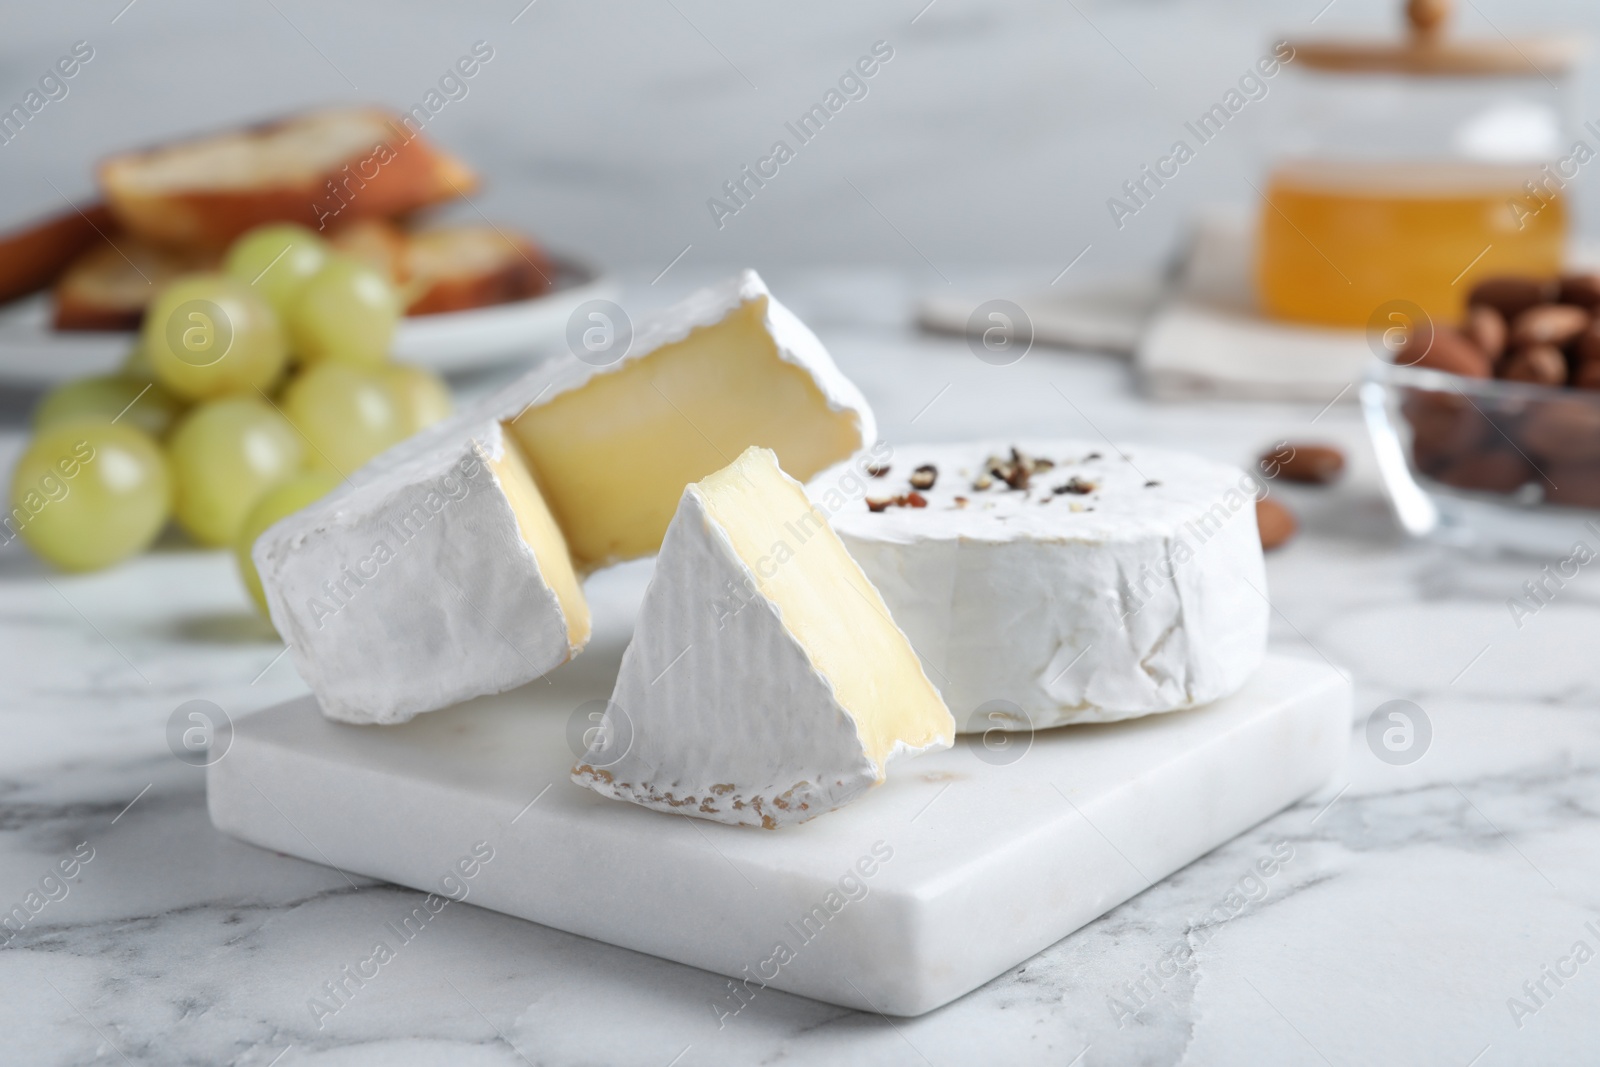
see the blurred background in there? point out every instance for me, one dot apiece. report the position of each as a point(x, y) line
point(994, 135)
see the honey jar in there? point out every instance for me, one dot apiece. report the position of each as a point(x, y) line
point(1406, 169)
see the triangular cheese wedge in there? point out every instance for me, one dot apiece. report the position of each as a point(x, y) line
point(766, 682)
point(440, 580)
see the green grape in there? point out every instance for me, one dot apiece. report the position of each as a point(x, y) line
point(279, 502)
point(421, 395)
point(110, 397)
point(209, 334)
point(347, 415)
point(88, 494)
point(347, 313)
point(277, 260)
point(225, 454)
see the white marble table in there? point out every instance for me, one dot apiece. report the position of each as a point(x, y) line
point(1413, 902)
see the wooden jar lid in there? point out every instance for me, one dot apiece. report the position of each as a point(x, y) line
point(1430, 51)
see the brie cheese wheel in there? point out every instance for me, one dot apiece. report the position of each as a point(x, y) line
point(596, 454)
point(766, 682)
point(1112, 586)
point(439, 580)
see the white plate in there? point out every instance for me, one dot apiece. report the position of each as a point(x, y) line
point(33, 354)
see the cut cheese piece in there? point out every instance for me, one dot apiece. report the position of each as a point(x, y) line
point(766, 682)
point(439, 579)
point(704, 380)
point(1113, 585)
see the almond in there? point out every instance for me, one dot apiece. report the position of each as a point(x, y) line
point(1588, 346)
point(1444, 349)
point(1443, 426)
point(1493, 471)
point(1511, 296)
point(1486, 328)
point(1575, 485)
point(1563, 430)
point(1540, 364)
point(1311, 464)
point(1553, 324)
point(1582, 290)
point(1275, 522)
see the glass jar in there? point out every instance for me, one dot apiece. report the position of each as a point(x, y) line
point(1408, 169)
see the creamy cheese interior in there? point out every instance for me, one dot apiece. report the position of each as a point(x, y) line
point(613, 456)
point(827, 603)
point(539, 530)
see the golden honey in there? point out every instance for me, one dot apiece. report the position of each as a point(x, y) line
point(1340, 239)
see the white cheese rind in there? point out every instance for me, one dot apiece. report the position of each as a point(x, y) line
point(717, 715)
point(1127, 601)
point(415, 590)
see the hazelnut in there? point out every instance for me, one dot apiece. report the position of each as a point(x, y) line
point(1512, 295)
point(1486, 328)
point(924, 476)
point(1553, 324)
point(1275, 523)
point(1540, 364)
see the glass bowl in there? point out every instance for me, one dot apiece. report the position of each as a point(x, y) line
point(1485, 463)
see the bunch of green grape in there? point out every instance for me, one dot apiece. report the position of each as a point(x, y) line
point(252, 392)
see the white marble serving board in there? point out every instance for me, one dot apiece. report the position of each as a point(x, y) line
point(989, 861)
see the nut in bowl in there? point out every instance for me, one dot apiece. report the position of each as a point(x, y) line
point(1489, 434)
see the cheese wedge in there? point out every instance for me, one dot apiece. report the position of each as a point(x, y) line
point(726, 370)
point(766, 682)
point(1094, 585)
point(442, 578)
